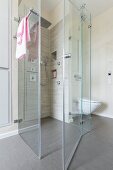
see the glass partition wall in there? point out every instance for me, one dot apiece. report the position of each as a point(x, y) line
point(29, 79)
point(77, 77)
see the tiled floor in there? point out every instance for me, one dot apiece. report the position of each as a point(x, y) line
point(94, 153)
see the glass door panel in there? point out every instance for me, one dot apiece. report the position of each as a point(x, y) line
point(73, 71)
point(29, 81)
point(86, 69)
point(77, 77)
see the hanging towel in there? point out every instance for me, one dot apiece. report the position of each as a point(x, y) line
point(23, 37)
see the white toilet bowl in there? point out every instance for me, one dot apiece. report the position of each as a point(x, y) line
point(88, 106)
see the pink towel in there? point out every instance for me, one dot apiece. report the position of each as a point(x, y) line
point(23, 36)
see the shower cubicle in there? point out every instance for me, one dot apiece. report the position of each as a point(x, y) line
point(55, 80)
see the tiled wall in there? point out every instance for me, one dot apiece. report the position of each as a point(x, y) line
point(45, 72)
point(28, 93)
point(51, 89)
point(28, 89)
point(56, 44)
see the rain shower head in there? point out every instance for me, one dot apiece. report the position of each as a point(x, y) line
point(45, 23)
point(33, 15)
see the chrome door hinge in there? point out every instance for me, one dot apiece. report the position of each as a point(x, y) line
point(89, 26)
point(17, 19)
point(18, 121)
point(67, 55)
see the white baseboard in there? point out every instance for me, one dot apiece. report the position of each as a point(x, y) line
point(104, 115)
point(30, 128)
point(45, 116)
point(16, 132)
point(8, 134)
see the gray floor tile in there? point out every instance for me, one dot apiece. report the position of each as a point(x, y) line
point(95, 152)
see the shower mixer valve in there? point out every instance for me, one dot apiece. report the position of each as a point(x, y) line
point(58, 82)
point(77, 77)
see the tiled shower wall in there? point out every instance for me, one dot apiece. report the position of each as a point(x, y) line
point(56, 45)
point(51, 89)
point(45, 72)
point(28, 89)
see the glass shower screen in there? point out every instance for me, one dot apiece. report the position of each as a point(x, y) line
point(77, 77)
point(29, 81)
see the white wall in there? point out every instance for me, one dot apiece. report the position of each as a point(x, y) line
point(102, 61)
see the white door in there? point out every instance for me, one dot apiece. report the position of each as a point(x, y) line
point(4, 97)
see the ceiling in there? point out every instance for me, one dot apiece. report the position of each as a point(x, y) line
point(49, 4)
point(98, 6)
point(95, 6)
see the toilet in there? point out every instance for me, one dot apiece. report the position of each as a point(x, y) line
point(88, 106)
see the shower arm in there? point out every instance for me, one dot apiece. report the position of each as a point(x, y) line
point(32, 11)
